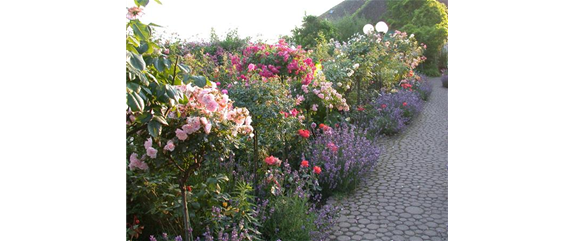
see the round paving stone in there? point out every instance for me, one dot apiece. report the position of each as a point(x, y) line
point(369, 236)
point(343, 238)
point(344, 225)
point(414, 210)
point(402, 227)
point(397, 238)
point(415, 239)
point(432, 224)
point(372, 226)
point(364, 221)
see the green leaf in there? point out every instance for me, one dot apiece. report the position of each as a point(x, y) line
point(171, 92)
point(136, 61)
point(157, 1)
point(160, 119)
point(141, 2)
point(200, 81)
point(135, 102)
point(131, 48)
point(143, 48)
point(158, 64)
point(134, 41)
point(144, 117)
point(140, 30)
point(154, 128)
point(195, 205)
point(133, 87)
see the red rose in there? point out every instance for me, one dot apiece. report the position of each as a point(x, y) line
point(317, 170)
point(384, 106)
point(304, 163)
point(271, 160)
point(404, 103)
point(304, 133)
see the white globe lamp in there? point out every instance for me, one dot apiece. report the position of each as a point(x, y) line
point(382, 27)
point(368, 28)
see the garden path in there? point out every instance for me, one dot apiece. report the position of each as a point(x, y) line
point(406, 196)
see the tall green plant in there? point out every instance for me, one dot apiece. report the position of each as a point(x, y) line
point(308, 33)
point(428, 21)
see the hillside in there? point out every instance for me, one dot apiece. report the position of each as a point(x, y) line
point(369, 9)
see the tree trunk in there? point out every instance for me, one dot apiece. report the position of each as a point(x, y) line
point(185, 211)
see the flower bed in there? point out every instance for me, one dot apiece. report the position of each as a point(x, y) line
point(222, 140)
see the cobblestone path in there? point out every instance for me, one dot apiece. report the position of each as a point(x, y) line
point(406, 196)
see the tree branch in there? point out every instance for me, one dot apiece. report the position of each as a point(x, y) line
point(136, 130)
point(175, 164)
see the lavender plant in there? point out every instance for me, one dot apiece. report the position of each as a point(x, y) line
point(345, 155)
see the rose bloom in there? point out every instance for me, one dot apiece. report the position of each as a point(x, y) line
point(134, 12)
point(304, 163)
point(404, 103)
point(332, 146)
point(151, 152)
point(181, 135)
point(169, 146)
point(316, 169)
point(271, 160)
point(304, 133)
point(384, 106)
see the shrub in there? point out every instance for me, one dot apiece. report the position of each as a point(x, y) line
point(393, 111)
point(344, 154)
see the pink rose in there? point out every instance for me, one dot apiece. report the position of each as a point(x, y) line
point(314, 107)
point(212, 106)
point(206, 125)
point(251, 67)
point(181, 135)
point(169, 146)
point(148, 143)
point(151, 152)
point(136, 163)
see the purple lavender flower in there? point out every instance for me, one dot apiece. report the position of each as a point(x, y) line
point(345, 155)
point(178, 238)
point(152, 238)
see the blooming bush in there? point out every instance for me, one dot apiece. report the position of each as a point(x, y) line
point(198, 130)
point(391, 112)
point(344, 155)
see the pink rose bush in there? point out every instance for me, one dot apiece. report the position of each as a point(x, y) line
point(201, 112)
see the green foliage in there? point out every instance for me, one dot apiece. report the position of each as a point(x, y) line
point(347, 26)
point(265, 102)
point(312, 28)
point(153, 198)
point(428, 21)
point(290, 219)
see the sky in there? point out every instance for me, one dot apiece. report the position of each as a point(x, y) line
point(259, 19)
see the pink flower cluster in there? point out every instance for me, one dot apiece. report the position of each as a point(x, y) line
point(274, 61)
point(206, 109)
point(328, 95)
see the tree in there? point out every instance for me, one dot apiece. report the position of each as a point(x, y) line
point(312, 27)
point(428, 21)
